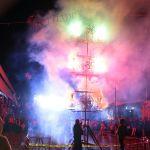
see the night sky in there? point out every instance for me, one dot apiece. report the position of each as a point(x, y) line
point(13, 39)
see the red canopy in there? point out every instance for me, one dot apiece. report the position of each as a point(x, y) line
point(6, 87)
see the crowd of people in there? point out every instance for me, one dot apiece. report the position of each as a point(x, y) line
point(12, 121)
point(4, 106)
point(135, 127)
point(14, 125)
point(122, 128)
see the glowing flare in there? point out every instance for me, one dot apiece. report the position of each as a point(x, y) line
point(51, 102)
point(75, 28)
point(100, 65)
point(101, 33)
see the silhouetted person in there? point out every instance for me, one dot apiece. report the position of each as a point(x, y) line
point(4, 143)
point(102, 128)
point(77, 131)
point(122, 133)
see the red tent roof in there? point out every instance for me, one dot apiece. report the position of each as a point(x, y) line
point(5, 86)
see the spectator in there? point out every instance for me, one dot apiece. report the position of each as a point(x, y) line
point(102, 128)
point(77, 131)
point(121, 133)
point(111, 127)
point(133, 125)
point(4, 143)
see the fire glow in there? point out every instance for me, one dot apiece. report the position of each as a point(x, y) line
point(99, 64)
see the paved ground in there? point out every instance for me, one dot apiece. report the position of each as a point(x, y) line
point(107, 142)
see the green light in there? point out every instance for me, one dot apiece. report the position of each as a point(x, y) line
point(75, 28)
point(101, 33)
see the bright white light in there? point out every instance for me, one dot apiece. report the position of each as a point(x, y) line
point(75, 28)
point(73, 61)
point(126, 107)
point(99, 65)
point(132, 108)
point(51, 102)
point(101, 33)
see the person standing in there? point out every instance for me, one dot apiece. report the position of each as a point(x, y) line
point(102, 128)
point(133, 125)
point(4, 143)
point(121, 133)
point(77, 132)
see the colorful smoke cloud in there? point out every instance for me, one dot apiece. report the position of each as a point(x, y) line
point(127, 50)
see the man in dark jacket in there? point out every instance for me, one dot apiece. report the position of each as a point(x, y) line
point(77, 131)
point(122, 133)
